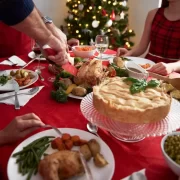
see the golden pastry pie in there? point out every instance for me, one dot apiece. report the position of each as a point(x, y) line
point(113, 99)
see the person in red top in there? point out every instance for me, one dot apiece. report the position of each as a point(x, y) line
point(162, 33)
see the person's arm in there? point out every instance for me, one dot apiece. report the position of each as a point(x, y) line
point(145, 39)
point(165, 68)
point(19, 128)
point(34, 27)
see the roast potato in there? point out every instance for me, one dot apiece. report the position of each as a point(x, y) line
point(119, 62)
point(18, 76)
point(25, 74)
point(167, 87)
point(79, 91)
point(94, 147)
point(175, 94)
point(99, 160)
point(12, 73)
point(84, 149)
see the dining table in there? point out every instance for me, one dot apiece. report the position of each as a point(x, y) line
point(129, 157)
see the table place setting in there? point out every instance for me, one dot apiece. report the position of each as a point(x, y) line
point(13, 60)
point(23, 96)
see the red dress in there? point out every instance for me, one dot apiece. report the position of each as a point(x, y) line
point(13, 42)
point(165, 39)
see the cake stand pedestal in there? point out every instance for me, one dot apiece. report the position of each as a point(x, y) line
point(131, 132)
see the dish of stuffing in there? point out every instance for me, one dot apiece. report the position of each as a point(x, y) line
point(61, 160)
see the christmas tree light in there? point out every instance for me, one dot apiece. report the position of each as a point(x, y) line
point(86, 19)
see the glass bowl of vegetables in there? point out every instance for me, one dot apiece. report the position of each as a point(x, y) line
point(84, 51)
point(170, 146)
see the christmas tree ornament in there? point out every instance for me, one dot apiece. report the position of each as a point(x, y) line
point(122, 15)
point(117, 18)
point(112, 15)
point(80, 7)
point(103, 12)
point(109, 23)
point(70, 16)
point(95, 24)
point(124, 3)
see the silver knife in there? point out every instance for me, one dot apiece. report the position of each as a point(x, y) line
point(16, 89)
point(86, 167)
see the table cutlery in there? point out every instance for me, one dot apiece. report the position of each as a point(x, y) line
point(84, 163)
point(38, 71)
point(93, 129)
point(16, 89)
point(28, 63)
point(30, 92)
point(175, 82)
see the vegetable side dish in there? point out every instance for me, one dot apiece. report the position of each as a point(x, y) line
point(84, 48)
point(63, 164)
point(22, 76)
point(172, 148)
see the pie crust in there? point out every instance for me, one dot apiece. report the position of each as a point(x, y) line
point(112, 98)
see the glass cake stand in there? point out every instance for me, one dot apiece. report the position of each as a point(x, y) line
point(131, 132)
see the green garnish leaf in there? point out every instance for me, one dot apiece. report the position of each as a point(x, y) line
point(120, 72)
point(153, 83)
point(125, 59)
point(138, 87)
point(133, 80)
point(3, 80)
point(141, 85)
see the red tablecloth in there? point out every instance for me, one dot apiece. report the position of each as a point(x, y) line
point(128, 157)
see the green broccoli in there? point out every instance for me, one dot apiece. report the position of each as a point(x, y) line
point(77, 59)
point(59, 96)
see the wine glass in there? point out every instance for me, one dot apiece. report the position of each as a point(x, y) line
point(101, 43)
point(37, 50)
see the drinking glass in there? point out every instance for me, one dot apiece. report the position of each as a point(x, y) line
point(37, 50)
point(101, 43)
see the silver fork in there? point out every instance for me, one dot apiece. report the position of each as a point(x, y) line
point(30, 92)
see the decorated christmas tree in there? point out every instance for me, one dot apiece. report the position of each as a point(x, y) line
point(86, 19)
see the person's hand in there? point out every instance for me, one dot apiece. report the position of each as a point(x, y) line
point(61, 56)
point(58, 42)
point(73, 42)
point(123, 52)
point(19, 128)
point(162, 68)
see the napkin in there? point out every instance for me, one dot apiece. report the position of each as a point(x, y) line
point(139, 175)
point(23, 99)
point(14, 60)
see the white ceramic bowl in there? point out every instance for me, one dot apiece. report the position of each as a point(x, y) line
point(173, 165)
point(135, 70)
point(84, 54)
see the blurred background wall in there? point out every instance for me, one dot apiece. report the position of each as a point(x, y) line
point(138, 10)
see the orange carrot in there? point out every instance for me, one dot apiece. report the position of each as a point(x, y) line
point(76, 140)
point(66, 137)
point(68, 144)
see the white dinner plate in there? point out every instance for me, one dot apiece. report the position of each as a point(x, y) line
point(9, 85)
point(75, 97)
point(32, 56)
point(141, 61)
point(98, 173)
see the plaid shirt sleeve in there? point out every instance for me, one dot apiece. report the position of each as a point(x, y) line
point(13, 12)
